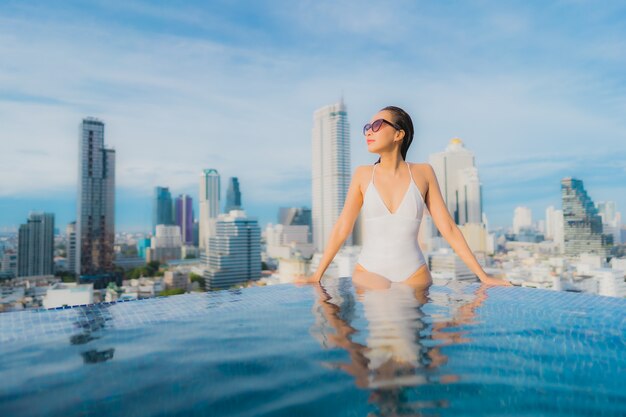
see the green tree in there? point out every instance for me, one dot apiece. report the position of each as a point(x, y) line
point(193, 277)
point(172, 291)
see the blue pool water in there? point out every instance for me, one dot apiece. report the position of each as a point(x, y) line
point(452, 350)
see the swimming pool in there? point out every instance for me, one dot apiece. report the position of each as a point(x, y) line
point(456, 349)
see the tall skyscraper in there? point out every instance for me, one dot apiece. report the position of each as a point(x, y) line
point(522, 219)
point(233, 195)
point(184, 217)
point(582, 223)
point(459, 182)
point(162, 212)
point(70, 232)
point(35, 253)
point(209, 204)
point(96, 201)
point(234, 254)
point(330, 170)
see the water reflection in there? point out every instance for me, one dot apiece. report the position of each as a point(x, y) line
point(392, 341)
point(89, 324)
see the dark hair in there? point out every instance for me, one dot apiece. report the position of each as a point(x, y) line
point(404, 122)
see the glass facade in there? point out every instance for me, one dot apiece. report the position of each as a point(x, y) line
point(233, 195)
point(581, 222)
point(162, 208)
point(35, 254)
point(184, 218)
point(234, 254)
point(96, 201)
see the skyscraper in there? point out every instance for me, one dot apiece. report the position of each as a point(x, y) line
point(184, 218)
point(35, 253)
point(162, 208)
point(233, 195)
point(70, 232)
point(96, 201)
point(330, 170)
point(582, 223)
point(209, 204)
point(458, 179)
point(234, 254)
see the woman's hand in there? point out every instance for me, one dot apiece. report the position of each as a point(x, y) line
point(489, 280)
point(306, 279)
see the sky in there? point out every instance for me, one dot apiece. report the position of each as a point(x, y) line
point(537, 90)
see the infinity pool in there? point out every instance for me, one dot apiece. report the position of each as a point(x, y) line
point(452, 350)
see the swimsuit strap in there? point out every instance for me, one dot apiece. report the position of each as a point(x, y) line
point(409, 166)
point(372, 179)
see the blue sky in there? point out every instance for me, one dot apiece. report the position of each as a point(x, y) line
point(537, 90)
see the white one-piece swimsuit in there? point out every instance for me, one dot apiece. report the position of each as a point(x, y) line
point(390, 245)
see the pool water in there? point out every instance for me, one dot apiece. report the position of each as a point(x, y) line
point(451, 350)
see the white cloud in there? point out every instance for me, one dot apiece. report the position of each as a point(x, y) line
point(174, 104)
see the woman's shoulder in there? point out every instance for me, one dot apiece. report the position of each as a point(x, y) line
point(420, 166)
point(361, 169)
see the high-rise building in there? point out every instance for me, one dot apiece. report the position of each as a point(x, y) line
point(611, 219)
point(234, 254)
point(8, 264)
point(296, 216)
point(459, 182)
point(35, 252)
point(184, 217)
point(70, 232)
point(330, 170)
point(522, 219)
point(165, 245)
point(581, 222)
point(95, 222)
point(554, 226)
point(233, 195)
point(209, 204)
point(162, 212)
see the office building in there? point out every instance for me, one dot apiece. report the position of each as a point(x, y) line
point(184, 217)
point(233, 195)
point(330, 170)
point(209, 205)
point(166, 244)
point(95, 222)
point(35, 253)
point(581, 222)
point(70, 232)
point(234, 253)
point(459, 182)
point(162, 207)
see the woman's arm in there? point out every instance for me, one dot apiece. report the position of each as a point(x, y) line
point(450, 231)
point(344, 225)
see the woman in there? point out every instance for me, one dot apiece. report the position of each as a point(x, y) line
point(392, 195)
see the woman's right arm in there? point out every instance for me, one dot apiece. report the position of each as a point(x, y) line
point(344, 225)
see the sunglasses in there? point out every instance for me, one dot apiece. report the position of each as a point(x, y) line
point(377, 124)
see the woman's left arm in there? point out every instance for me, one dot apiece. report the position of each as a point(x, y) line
point(450, 231)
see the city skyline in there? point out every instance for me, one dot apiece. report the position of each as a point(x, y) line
point(532, 95)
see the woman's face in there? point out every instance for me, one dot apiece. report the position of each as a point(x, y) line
point(386, 137)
